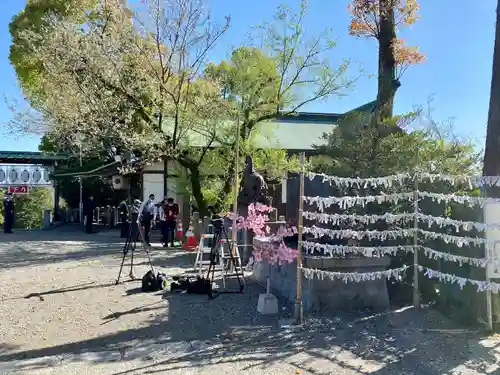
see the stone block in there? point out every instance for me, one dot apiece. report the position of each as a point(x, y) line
point(267, 304)
point(327, 296)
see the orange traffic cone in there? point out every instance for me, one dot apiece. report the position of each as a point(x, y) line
point(180, 233)
point(190, 241)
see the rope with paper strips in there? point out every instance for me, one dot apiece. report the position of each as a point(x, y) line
point(346, 202)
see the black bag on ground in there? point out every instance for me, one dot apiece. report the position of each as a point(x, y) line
point(152, 283)
point(149, 282)
point(185, 284)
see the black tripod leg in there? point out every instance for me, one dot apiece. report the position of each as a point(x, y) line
point(125, 251)
point(146, 249)
point(149, 260)
point(131, 273)
point(209, 281)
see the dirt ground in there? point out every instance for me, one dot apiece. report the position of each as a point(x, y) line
point(60, 313)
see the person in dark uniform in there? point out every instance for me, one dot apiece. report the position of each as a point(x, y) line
point(125, 226)
point(88, 212)
point(148, 215)
point(8, 212)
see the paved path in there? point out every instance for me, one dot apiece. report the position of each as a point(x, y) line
point(60, 313)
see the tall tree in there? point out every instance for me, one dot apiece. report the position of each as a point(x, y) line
point(131, 78)
point(279, 73)
point(491, 165)
point(381, 19)
point(40, 16)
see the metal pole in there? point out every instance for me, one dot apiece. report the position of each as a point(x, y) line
point(235, 187)
point(81, 187)
point(299, 311)
point(416, 289)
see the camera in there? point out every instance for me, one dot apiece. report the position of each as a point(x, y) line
point(217, 222)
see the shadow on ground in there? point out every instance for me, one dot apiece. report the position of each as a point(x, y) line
point(30, 248)
point(197, 332)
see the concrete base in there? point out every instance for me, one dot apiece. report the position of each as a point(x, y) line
point(328, 296)
point(268, 304)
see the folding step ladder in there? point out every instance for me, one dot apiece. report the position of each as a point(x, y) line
point(225, 266)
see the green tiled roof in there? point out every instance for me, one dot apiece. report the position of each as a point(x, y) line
point(89, 169)
point(32, 156)
point(300, 131)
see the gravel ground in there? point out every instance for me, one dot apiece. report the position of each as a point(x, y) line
point(61, 313)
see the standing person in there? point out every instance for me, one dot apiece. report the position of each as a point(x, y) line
point(8, 211)
point(148, 211)
point(170, 212)
point(88, 212)
point(123, 212)
point(134, 220)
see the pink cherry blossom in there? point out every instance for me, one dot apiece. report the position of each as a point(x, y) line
point(273, 249)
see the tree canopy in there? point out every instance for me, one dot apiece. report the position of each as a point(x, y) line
point(140, 79)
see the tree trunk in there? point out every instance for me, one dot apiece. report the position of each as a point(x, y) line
point(387, 83)
point(386, 61)
point(491, 166)
point(195, 178)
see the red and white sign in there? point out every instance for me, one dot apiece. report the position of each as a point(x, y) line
point(19, 189)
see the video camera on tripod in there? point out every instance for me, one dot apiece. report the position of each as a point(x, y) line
point(217, 222)
point(229, 262)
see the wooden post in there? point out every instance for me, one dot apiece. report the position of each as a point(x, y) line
point(489, 307)
point(488, 254)
point(416, 289)
point(299, 311)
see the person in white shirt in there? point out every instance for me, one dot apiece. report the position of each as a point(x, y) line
point(147, 212)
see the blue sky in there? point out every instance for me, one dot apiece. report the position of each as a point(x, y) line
point(457, 39)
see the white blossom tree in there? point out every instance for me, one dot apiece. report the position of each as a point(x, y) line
point(131, 78)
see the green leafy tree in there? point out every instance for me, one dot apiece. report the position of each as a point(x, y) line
point(131, 78)
point(347, 152)
point(29, 209)
point(382, 20)
point(40, 17)
point(278, 73)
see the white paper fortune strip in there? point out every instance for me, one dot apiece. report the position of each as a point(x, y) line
point(458, 224)
point(471, 181)
point(337, 219)
point(461, 199)
point(380, 251)
point(459, 241)
point(386, 182)
point(369, 234)
point(477, 262)
point(347, 202)
point(353, 276)
point(370, 252)
point(389, 181)
point(481, 286)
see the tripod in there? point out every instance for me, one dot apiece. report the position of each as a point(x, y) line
point(131, 244)
point(220, 234)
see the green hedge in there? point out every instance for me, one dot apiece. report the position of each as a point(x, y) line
point(28, 209)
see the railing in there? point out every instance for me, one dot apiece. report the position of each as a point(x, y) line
point(107, 216)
